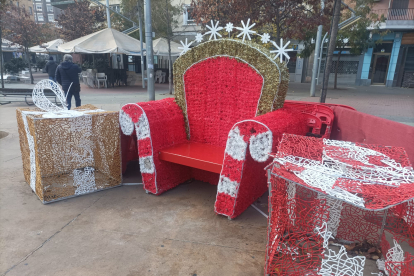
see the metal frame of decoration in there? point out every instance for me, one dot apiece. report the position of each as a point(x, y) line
point(67, 153)
point(247, 140)
point(354, 192)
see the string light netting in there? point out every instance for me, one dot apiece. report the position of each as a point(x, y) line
point(358, 192)
point(69, 156)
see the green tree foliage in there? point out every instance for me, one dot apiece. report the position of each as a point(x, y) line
point(40, 62)
point(15, 65)
point(80, 19)
point(164, 17)
point(163, 14)
point(358, 37)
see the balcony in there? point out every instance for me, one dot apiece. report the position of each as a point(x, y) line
point(397, 18)
point(62, 4)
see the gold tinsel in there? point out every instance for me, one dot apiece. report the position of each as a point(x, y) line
point(274, 73)
point(54, 142)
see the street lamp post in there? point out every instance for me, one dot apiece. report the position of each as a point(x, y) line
point(1, 60)
point(150, 57)
point(316, 56)
point(142, 47)
point(108, 14)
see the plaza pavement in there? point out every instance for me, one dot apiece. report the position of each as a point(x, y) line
point(124, 231)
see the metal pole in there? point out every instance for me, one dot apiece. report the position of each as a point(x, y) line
point(315, 74)
point(320, 56)
point(315, 62)
point(150, 57)
point(1, 60)
point(384, 220)
point(142, 44)
point(108, 14)
point(331, 48)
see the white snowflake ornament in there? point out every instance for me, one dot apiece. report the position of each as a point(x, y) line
point(265, 38)
point(186, 46)
point(281, 50)
point(229, 27)
point(246, 30)
point(214, 30)
point(199, 37)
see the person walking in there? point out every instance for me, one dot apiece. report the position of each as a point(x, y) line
point(67, 74)
point(51, 69)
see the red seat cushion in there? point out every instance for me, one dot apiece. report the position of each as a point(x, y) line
point(196, 155)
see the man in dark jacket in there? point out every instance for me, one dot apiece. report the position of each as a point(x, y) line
point(67, 74)
point(51, 69)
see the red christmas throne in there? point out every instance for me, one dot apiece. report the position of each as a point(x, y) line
point(226, 118)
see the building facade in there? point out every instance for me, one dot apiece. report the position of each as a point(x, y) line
point(187, 28)
point(25, 4)
point(44, 12)
point(391, 63)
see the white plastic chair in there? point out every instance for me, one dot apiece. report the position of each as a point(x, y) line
point(84, 77)
point(101, 77)
point(158, 76)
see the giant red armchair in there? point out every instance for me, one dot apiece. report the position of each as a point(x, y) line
point(226, 118)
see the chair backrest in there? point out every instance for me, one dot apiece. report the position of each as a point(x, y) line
point(218, 84)
point(100, 75)
point(220, 92)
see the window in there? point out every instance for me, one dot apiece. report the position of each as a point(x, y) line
point(47, 0)
point(188, 15)
point(17, 4)
point(116, 8)
point(38, 7)
point(40, 17)
point(399, 4)
point(38, 0)
point(131, 63)
point(50, 17)
point(49, 8)
point(30, 10)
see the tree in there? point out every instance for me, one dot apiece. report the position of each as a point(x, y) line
point(22, 30)
point(164, 24)
point(288, 18)
point(331, 48)
point(164, 21)
point(80, 19)
point(3, 7)
point(356, 36)
point(49, 32)
point(15, 65)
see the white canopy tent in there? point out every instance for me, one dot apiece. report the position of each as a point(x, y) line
point(48, 47)
point(107, 41)
point(160, 47)
point(8, 46)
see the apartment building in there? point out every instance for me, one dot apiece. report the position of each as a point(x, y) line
point(25, 4)
point(44, 12)
point(113, 4)
point(391, 63)
point(187, 28)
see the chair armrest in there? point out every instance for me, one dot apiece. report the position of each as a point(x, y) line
point(162, 121)
point(158, 124)
point(264, 132)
